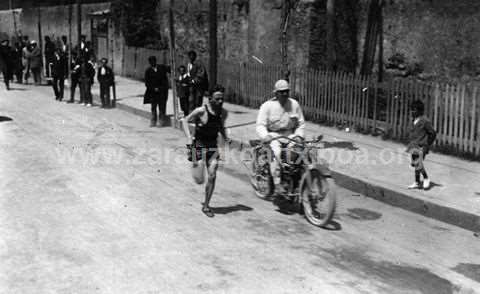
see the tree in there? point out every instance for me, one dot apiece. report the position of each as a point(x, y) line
point(138, 22)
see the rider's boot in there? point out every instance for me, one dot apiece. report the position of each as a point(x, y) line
point(279, 189)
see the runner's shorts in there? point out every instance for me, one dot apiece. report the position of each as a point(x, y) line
point(197, 152)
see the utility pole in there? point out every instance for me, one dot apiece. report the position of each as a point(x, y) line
point(12, 9)
point(213, 43)
point(70, 15)
point(79, 24)
point(283, 38)
point(173, 68)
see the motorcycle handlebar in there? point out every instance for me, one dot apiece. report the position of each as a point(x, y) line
point(318, 139)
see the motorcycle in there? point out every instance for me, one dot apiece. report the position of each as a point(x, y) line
point(307, 181)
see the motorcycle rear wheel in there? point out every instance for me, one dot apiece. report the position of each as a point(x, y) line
point(319, 199)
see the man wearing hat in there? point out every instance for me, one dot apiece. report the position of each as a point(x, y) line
point(6, 62)
point(36, 62)
point(105, 78)
point(280, 116)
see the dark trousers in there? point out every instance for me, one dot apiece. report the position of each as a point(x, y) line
point(105, 94)
point(85, 91)
point(196, 97)
point(162, 107)
point(19, 75)
point(36, 74)
point(58, 87)
point(73, 86)
point(184, 105)
point(6, 77)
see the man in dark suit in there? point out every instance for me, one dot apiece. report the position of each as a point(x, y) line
point(199, 80)
point(58, 74)
point(183, 89)
point(86, 76)
point(6, 64)
point(49, 56)
point(105, 79)
point(156, 81)
point(74, 77)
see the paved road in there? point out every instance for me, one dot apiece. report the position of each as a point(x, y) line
point(94, 201)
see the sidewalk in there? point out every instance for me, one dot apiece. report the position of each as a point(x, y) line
point(364, 164)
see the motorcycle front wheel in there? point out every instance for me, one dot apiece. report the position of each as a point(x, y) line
point(319, 198)
point(260, 178)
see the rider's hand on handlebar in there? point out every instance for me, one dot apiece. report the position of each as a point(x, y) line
point(268, 138)
point(298, 139)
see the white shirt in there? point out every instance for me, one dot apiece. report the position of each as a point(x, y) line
point(189, 68)
point(276, 119)
point(103, 71)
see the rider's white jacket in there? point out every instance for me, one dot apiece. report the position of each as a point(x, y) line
point(275, 119)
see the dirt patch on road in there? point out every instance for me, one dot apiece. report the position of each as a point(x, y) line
point(390, 275)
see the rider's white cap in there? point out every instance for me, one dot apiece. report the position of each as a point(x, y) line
point(281, 85)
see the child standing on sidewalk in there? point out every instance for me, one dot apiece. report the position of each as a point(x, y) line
point(421, 137)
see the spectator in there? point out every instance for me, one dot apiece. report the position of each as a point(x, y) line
point(26, 52)
point(183, 89)
point(106, 79)
point(74, 77)
point(6, 62)
point(25, 42)
point(49, 55)
point(58, 74)
point(65, 51)
point(17, 62)
point(421, 137)
point(35, 61)
point(199, 80)
point(156, 94)
point(86, 75)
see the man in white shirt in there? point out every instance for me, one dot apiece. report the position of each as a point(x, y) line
point(280, 116)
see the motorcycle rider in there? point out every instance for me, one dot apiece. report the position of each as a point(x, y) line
point(280, 116)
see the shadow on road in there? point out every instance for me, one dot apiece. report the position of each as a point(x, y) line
point(433, 185)
point(230, 209)
point(342, 145)
point(5, 118)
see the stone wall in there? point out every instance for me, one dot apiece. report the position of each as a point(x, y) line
point(54, 20)
point(440, 38)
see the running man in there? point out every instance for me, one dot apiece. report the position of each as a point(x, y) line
point(209, 121)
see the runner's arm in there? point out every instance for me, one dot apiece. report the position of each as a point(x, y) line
point(191, 118)
point(223, 131)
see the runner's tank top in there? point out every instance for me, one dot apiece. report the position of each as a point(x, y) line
point(206, 134)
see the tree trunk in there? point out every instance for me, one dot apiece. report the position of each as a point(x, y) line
point(213, 43)
point(331, 57)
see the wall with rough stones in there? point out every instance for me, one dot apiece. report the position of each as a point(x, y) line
point(54, 20)
point(440, 38)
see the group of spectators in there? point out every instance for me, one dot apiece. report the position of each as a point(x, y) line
point(191, 85)
point(25, 59)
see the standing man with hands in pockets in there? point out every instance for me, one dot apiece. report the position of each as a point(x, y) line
point(156, 81)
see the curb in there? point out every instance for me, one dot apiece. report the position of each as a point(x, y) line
point(388, 196)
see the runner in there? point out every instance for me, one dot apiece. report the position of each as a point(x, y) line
point(209, 121)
